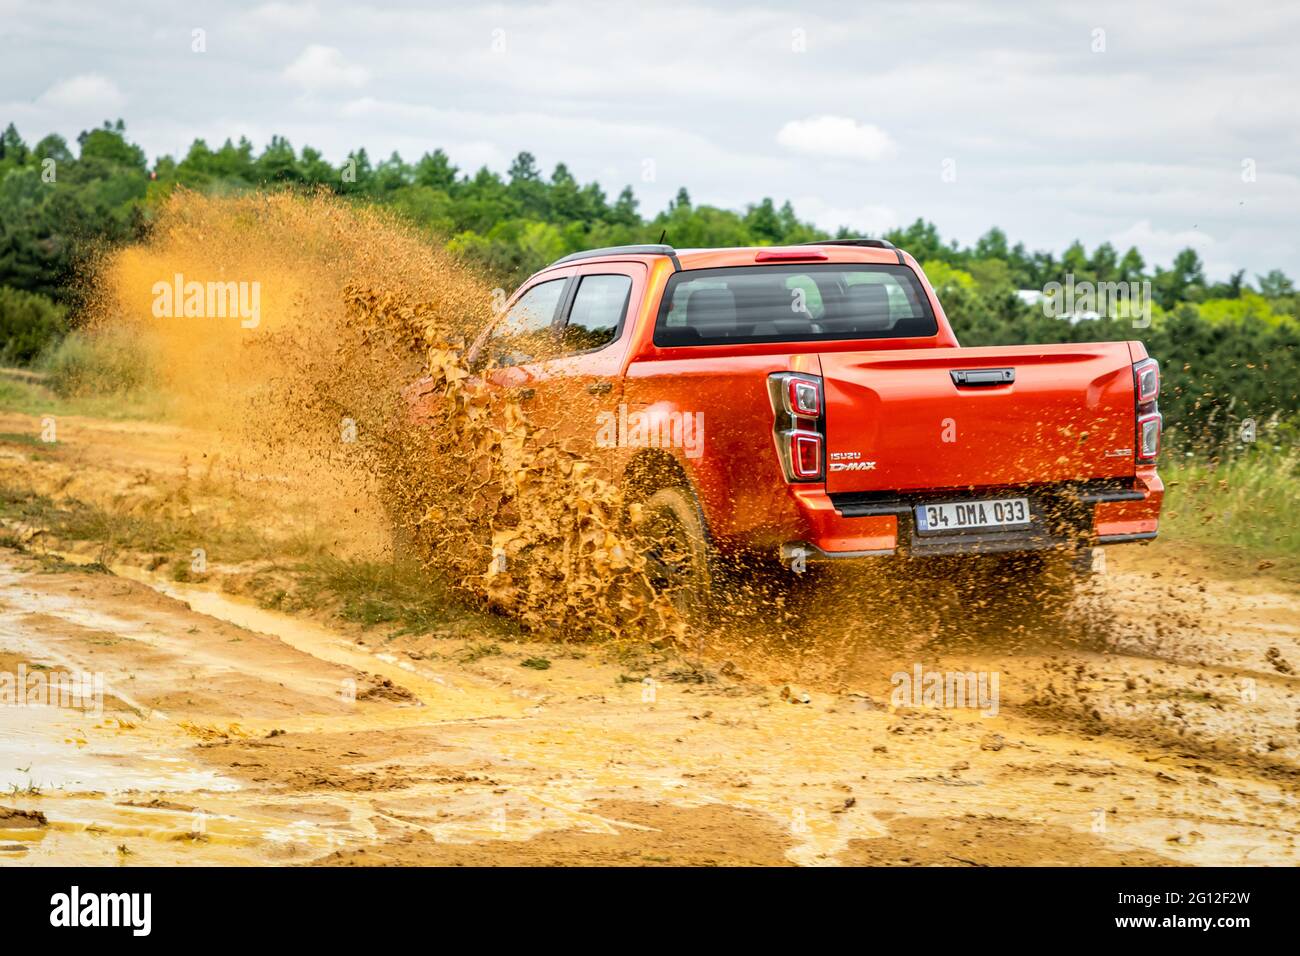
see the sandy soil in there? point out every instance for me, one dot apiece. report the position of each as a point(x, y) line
point(1153, 721)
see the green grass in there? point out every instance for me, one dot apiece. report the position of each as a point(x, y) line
point(34, 398)
point(51, 564)
point(1247, 500)
point(377, 594)
point(76, 521)
point(105, 374)
point(372, 593)
point(476, 652)
point(33, 446)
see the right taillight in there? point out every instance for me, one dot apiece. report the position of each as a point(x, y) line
point(1146, 391)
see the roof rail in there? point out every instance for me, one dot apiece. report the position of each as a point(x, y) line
point(873, 243)
point(648, 249)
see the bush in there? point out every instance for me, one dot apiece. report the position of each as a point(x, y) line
point(29, 324)
point(108, 362)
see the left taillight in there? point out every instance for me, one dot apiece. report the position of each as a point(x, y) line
point(804, 397)
point(805, 455)
point(1146, 393)
point(798, 424)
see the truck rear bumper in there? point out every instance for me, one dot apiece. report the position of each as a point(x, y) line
point(1065, 516)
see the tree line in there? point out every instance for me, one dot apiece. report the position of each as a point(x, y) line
point(1228, 347)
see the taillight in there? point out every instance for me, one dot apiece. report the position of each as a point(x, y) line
point(804, 397)
point(805, 454)
point(1147, 380)
point(798, 424)
point(1146, 391)
point(1148, 437)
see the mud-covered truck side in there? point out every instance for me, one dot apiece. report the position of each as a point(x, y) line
point(812, 403)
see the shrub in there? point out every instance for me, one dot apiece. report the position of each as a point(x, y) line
point(29, 324)
point(108, 362)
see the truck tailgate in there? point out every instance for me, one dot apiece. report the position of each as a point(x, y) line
point(899, 420)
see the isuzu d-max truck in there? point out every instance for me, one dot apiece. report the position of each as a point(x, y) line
point(811, 403)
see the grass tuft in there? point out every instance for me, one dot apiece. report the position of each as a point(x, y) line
point(1246, 500)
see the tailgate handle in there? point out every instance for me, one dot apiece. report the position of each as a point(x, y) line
point(974, 377)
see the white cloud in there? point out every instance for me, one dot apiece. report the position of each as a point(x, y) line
point(838, 137)
point(1160, 245)
point(86, 93)
point(864, 220)
point(322, 68)
point(284, 16)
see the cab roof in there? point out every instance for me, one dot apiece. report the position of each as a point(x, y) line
point(826, 250)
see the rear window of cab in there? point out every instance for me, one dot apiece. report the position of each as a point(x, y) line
point(793, 303)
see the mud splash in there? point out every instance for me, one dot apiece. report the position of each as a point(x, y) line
point(294, 327)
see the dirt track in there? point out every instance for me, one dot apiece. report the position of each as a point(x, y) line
point(1157, 723)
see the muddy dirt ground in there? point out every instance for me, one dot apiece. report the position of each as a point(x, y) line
point(1152, 721)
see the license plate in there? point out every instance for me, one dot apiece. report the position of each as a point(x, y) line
point(959, 515)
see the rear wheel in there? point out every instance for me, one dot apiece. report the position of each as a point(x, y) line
point(675, 546)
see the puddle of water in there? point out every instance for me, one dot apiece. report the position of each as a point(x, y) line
point(44, 750)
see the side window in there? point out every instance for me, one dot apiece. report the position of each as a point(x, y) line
point(524, 334)
point(597, 311)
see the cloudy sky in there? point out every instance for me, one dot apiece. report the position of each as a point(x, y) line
point(1159, 126)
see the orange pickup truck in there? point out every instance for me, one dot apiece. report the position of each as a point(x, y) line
point(811, 403)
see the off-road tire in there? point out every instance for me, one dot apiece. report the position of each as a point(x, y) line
point(680, 564)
